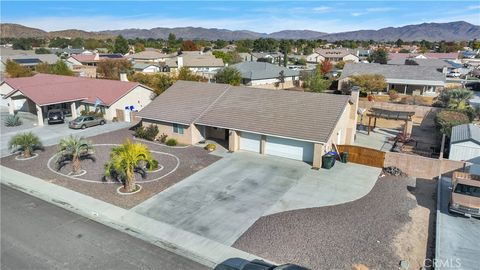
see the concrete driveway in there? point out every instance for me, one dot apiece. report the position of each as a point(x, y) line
point(457, 237)
point(50, 134)
point(223, 200)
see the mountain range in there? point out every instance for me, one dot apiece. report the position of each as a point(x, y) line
point(452, 31)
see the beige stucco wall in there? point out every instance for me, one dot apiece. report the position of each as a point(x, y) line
point(233, 140)
point(191, 134)
point(350, 57)
point(5, 89)
point(138, 97)
point(345, 130)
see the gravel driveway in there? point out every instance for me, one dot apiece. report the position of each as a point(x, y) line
point(336, 237)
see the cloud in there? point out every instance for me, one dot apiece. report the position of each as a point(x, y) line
point(473, 7)
point(380, 9)
point(356, 14)
point(321, 9)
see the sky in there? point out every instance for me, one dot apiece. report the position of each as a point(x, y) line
point(259, 16)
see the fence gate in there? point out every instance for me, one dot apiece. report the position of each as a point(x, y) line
point(364, 155)
point(120, 115)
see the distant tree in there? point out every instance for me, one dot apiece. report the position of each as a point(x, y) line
point(60, 68)
point(139, 47)
point(224, 56)
point(42, 51)
point(22, 44)
point(244, 46)
point(404, 51)
point(265, 45)
point(77, 43)
point(325, 67)
point(399, 42)
point(158, 82)
point(229, 75)
point(219, 44)
point(172, 43)
point(59, 43)
point(316, 81)
point(43, 68)
point(369, 82)
point(111, 68)
point(91, 44)
point(121, 45)
point(185, 74)
point(16, 70)
point(189, 45)
point(301, 62)
point(379, 56)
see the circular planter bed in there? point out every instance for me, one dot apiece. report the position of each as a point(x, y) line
point(21, 158)
point(121, 190)
point(80, 173)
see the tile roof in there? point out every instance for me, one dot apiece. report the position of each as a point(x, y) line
point(393, 56)
point(431, 62)
point(44, 89)
point(403, 72)
point(297, 115)
point(262, 70)
point(465, 132)
point(85, 57)
point(333, 52)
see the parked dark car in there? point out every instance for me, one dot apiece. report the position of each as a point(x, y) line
point(86, 121)
point(242, 264)
point(55, 116)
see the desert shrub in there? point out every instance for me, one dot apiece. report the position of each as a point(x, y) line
point(171, 142)
point(210, 147)
point(393, 94)
point(139, 132)
point(13, 121)
point(446, 119)
point(163, 138)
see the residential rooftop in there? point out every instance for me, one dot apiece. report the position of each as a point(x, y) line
point(262, 70)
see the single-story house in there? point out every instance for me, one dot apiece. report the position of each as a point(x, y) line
point(444, 66)
point(149, 56)
point(91, 59)
point(406, 79)
point(266, 75)
point(446, 56)
point(465, 143)
point(40, 93)
point(28, 60)
point(332, 55)
point(297, 125)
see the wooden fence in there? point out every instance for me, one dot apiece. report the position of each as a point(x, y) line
point(363, 155)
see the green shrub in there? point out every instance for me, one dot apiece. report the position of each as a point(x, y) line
point(91, 113)
point(13, 121)
point(446, 119)
point(211, 147)
point(147, 133)
point(163, 138)
point(393, 94)
point(171, 142)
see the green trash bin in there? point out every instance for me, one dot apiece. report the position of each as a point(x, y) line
point(328, 161)
point(344, 157)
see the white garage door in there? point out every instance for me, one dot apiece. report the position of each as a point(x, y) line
point(289, 148)
point(250, 142)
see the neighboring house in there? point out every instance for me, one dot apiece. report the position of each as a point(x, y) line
point(465, 143)
point(266, 75)
point(332, 55)
point(446, 56)
point(149, 56)
point(266, 57)
point(206, 65)
point(91, 59)
point(67, 52)
point(406, 79)
point(297, 125)
point(44, 92)
point(444, 66)
point(28, 60)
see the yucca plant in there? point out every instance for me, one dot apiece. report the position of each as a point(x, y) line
point(26, 143)
point(126, 160)
point(74, 149)
point(13, 121)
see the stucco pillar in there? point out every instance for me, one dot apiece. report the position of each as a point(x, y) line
point(73, 108)
point(409, 127)
point(263, 143)
point(39, 115)
point(233, 141)
point(11, 106)
point(318, 151)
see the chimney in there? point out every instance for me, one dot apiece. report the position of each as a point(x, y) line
point(180, 62)
point(123, 77)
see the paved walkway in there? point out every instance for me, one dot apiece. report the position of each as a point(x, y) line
point(457, 237)
point(223, 200)
point(192, 246)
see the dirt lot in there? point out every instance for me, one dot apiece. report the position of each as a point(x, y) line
point(374, 231)
point(191, 159)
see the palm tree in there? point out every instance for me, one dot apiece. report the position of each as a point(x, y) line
point(74, 149)
point(127, 159)
point(26, 143)
point(458, 98)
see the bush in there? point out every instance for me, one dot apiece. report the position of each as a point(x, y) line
point(446, 119)
point(163, 138)
point(148, 133)
point(91, 113)
point(115, 119)
point(393, 94)
point(171, 142)
point(13, 121)
point(210, 147)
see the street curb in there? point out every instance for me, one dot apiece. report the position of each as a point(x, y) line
point(195, 247)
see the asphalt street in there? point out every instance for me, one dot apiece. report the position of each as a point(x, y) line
point(38, 235)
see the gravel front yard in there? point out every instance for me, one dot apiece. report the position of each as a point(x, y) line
point(191, 159)
point(364, 231)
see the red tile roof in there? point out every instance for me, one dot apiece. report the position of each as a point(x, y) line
point(84, 57)
point(44, 89)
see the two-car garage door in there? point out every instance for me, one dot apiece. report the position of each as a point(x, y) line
point(276, 146)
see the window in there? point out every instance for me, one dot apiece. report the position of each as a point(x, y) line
point(177, 129)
